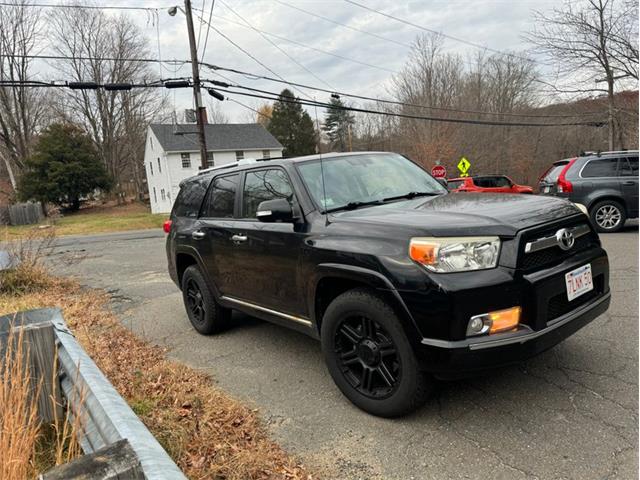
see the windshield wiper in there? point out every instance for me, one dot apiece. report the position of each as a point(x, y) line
point(410, 195)
point(354, 205)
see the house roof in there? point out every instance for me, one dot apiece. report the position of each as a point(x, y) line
point(228, 136)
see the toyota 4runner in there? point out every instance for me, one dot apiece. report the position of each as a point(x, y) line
point(400, 280)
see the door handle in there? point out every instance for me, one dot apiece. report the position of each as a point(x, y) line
point(239, 238)
point(629, 183)
point(198, 235)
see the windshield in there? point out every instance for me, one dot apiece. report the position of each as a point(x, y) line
point(352, 180)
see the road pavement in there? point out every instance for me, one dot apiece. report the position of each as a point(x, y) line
point(570, 413)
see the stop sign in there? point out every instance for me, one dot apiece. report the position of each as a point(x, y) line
point(438, 171)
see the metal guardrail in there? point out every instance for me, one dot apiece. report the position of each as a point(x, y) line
point(105, 416)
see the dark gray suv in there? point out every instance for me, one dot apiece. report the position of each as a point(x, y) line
point(606, 183)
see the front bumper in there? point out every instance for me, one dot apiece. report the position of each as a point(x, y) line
point(452, 359)
point(548, 318)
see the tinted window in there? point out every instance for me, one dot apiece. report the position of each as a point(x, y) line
point(605, 167)
point(221, 198)
point(264, 185)
point(190, 197)
point(629, 167)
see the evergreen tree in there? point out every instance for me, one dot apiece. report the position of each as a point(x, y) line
point(337, 123)
point(292, 126)
point(64, 168)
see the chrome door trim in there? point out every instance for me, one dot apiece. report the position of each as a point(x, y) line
point(293, 318)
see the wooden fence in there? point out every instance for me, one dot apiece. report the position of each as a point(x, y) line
point(25, 213)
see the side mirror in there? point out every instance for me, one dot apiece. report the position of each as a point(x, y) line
point(275, 210)
point(443, 182)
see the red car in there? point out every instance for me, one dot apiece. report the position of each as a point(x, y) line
point(487, 183)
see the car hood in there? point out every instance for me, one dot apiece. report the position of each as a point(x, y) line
point(465, 213)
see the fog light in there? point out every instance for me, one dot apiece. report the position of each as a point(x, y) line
point(478, 325)
point(494, 322)
point(504, 320)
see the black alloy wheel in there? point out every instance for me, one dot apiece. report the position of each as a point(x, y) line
point(195, 302)
point(368, 357)
point(205, 314)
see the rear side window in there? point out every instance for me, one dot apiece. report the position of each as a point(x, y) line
point(190, 197)
point(604, 167)
point(263, 185)
point(221, 198)
point(629, 167)
point(554, 172)
point(453, 184)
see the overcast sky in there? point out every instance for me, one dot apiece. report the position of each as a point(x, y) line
point(497, 24)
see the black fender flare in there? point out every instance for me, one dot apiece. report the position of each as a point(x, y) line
point(193, 252)
point(371, 278)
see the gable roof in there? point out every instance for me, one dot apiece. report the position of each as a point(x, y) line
point(227, 136)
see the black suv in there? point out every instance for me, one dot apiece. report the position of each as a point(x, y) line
point(399, 279)
point(606, 183)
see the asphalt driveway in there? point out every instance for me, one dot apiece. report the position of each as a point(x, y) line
point(570, 413)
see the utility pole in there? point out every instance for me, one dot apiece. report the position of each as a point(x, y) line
point(201, 114)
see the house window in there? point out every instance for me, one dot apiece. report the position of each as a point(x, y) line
point(186, 160)
point(239, 155)
point(209, 159)
point(151, 142)
point(155, 197)
point(151, 167)
point(162, 195)
point(266, 154)
point(159, 167)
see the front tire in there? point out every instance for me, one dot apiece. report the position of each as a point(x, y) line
point(369, 356)
point(608, 216)
point(204, 313)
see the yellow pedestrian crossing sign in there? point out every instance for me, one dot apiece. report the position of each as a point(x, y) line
point(464, 165)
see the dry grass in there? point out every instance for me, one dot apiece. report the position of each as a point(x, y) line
point(134, 216)
point(207, 433)
point(27, 446)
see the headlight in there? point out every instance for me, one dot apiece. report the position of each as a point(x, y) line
point(455, 254)
point(582, 208)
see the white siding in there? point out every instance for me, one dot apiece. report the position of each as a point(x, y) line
point(172, 172)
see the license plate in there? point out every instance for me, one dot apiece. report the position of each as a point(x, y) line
point(579, 282)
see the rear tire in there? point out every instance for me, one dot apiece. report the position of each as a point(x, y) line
point(608, 216)
point(369, 356)
point(204, 313)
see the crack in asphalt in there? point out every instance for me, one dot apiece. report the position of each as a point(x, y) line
point(483, 447)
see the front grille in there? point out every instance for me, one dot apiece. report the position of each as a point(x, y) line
point(560, 305)
point(552, 255)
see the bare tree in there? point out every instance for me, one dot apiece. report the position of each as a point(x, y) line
point(103, 49)
point(22, 108)
point(591, 42)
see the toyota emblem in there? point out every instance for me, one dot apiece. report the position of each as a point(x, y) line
point(565, 239)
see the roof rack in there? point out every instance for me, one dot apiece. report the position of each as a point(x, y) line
point(244, 161)
point(609, 152)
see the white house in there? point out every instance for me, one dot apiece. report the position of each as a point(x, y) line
point(172, 153)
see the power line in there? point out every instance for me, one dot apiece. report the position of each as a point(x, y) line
point(245, 52)
point(451, 37)
point(215, 68)
point(375, 35)
point(206, 38)
point(84, 7)
point(303, 45)
point(250, 108)
point(274, 96)
point(263, 35)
